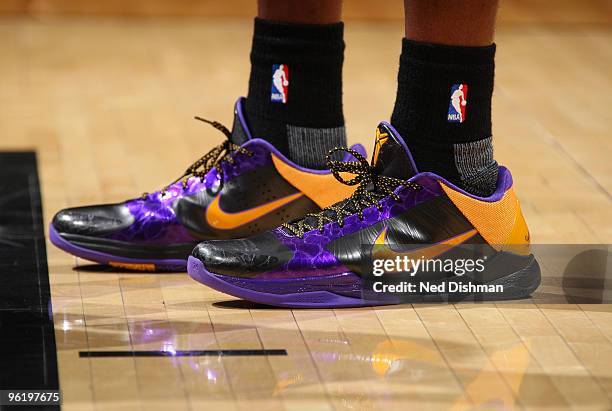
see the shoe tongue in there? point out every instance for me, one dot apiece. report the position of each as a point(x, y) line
point(240, 130)
point(391, 157)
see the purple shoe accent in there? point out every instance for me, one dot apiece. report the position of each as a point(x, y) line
point(358, 148)
point(504, 183)
point(346, 283)
point(401, 141)
point(104, 258)
point(300, 299)
point(154, 221)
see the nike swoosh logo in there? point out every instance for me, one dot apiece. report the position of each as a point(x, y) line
point(217, 218)
point(383, 251)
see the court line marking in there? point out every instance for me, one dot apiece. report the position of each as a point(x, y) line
point(182, 353)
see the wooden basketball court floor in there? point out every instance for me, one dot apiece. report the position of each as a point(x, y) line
point(108, 103)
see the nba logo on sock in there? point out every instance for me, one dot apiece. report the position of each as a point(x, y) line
point(458, 101)
point(280, 83)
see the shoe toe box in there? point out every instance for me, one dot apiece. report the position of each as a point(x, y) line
point(245, 257)
point(93, 221)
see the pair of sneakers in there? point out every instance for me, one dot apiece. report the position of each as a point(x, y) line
point(247, 221)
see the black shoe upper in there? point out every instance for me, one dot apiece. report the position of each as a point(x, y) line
point(93, 221)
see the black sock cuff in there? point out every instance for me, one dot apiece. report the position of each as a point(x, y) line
point(448, 140)
point(314, 54)
point(448, 55)
point(322, 32)
point(298, 43)
point(427, 73)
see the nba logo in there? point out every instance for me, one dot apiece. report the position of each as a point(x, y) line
point(280, 83)
point(458, 101)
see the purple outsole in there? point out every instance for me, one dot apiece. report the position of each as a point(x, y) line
point(312, 299)
point(103, 258)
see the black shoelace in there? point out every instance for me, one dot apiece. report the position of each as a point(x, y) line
point(372, 188)
point(213, 159)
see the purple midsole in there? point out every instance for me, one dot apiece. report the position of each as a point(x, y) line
point(347, 284)
point(305, 299)
point(105, 258)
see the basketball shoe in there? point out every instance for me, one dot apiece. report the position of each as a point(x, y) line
point(232, 191)
point(396, 215)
